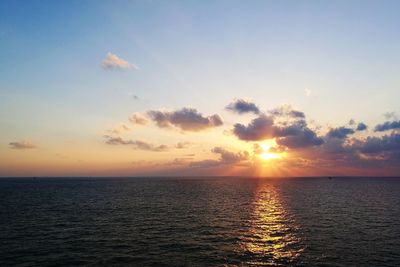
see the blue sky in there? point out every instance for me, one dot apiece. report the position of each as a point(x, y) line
point(201, 54)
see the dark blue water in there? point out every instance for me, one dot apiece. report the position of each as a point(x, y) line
point(200, 222)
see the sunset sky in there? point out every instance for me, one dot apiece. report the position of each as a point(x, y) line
point(260, 88)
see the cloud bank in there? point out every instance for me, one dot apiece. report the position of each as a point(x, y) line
point(334, 148)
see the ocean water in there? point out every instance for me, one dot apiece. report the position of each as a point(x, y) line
point(200, 222)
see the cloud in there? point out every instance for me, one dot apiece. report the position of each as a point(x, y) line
point(307, 92)
point(182, 145)
point(372, 152)
point(294, 135)
point(22, 145)
point(385, 143)
point(296, 114)
point(136, 144)
point(390, 115)
point(303, 138)
point(260, 128)
point(186, 119)
point(226, 157)
point(207, 163)
point(120, 128)
point(138, 118)
point(113, 62)
point(361, 127)
point(134, 97)
point(297, 135)
point(242, 106)
point(340, 132)
point(340, 149)
point(389, 125)
point(287, 111)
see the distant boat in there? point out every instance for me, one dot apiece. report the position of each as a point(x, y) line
point(330, 177)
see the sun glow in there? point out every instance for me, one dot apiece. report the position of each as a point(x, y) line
point(266, 155)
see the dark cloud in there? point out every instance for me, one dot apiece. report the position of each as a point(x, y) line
point(372, 152)
point(21, 145)
point(302, 137)
point(389, 125)
point(361, 127)
point(295, 135)
point(340, 132)
point(292, 129)
point(135, 144)
point(187, 119)
point(258, 129)
point(386, 143)
point(241, 106)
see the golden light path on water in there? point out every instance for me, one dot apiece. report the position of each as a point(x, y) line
point(271, 239)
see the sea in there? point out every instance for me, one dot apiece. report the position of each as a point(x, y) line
point(202, 221)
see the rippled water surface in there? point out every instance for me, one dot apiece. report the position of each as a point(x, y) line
point(200, 222)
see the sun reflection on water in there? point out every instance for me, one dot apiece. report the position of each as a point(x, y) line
point(271, 239)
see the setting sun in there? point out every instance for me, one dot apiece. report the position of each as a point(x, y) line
point(266, 155)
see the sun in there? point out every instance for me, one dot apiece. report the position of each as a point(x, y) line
point(265, 155)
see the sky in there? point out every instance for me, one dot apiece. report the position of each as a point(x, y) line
point(169, 88)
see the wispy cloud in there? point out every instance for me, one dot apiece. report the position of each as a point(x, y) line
point(134, 97)
point(307, 92)
point(229, 157)
point(287, 111)
point(390, 115)
point(226, 157)
point(120, 128)
point(135, 144)
point(138, 118)
point(113, 62)
point(183, 145)
point(22, 145)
